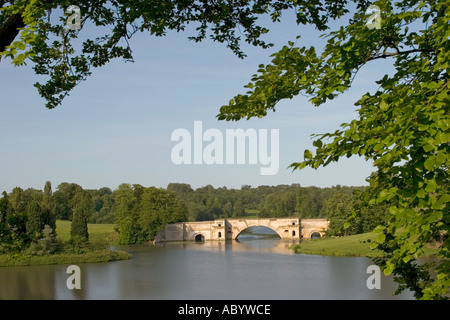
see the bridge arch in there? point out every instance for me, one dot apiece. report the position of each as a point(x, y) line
point(199, 237)
point(286, 228)
point(316, 234)
point(265, 227)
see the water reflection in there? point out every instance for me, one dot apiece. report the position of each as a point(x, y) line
point(254, 267)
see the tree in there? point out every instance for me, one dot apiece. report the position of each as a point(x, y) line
point(82, 208)
point(403, 128)
point(5, 231)
point(27, 32)
point(238, 208)
point(228, 209)
point(338, 208)
point(35, 222)
point(159, 208)
point(48, 207)
point(17, 202)
point(63, 198)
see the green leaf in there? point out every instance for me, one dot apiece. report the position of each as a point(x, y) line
point(308, 154)
point(381, 238)
point(431, 186)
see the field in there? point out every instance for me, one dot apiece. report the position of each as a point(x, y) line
point(350, 246)
point(97, 232)
point(356, 245)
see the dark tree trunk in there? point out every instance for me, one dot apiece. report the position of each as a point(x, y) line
point(10, 29)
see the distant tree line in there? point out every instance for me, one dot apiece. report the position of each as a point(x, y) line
point(28, 216)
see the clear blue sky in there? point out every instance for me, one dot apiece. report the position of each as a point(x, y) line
point(116, 126)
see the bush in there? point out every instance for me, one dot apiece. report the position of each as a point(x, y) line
point(46, 245)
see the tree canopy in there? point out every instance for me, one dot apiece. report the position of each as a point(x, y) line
point(403, 128)
point(37, 31)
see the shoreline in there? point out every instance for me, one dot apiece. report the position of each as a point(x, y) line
point(94, 256)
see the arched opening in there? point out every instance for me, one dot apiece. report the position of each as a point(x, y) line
point(257, 233)
point(315, 235)
point(199, 238)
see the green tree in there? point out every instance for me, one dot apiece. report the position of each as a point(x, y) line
point(27, 32)
point(403, 127)
point(35, 222)
point(338, 208)
point(238, 209)
point(17, 202)
point(82, 208)
point(5, 231)
point(159, 208)
point(48, 207)
point(63, 199)
point(125, 210)
point(228, 209)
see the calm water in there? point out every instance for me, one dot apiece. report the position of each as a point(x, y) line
point(257, 266)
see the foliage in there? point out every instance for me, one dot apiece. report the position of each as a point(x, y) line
point(45, 245)
point(29, 31)
point(159, 207)
point(142, 212)
point(48, 207)
point(403, 128)
point(35, 223)
point(81, 210)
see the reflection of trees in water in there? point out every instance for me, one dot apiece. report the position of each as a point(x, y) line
point(22, 283)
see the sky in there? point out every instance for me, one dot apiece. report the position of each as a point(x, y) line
point(116, 126)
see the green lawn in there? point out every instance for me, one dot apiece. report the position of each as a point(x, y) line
point(355, 245)
point(97, 232)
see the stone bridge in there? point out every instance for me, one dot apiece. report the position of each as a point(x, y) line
point(229, 229)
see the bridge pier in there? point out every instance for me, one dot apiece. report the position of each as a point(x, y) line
point(229, 229)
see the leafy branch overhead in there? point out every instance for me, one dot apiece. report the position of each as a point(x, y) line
point(36, 31)
point(402, 128)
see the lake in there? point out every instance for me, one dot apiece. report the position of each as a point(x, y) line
point(257, 266)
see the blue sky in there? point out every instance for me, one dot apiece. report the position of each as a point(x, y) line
point(116, 126)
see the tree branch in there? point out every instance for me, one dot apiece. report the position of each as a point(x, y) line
point(10, 29)
point(391, 54)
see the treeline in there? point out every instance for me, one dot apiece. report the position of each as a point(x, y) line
point(28, 220)
point(28, 216)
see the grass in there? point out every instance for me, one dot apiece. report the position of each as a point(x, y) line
point(98, 233)
point(250, 214)
point(349, 246)
point(100, 236)
point(354, 246)
point(101, 255)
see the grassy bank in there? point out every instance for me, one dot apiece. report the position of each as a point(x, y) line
point(353, 246)
point(348, 246)
point(100, 255)
point(100, 236)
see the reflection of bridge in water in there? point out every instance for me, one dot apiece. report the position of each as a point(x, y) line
point(229, 229)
